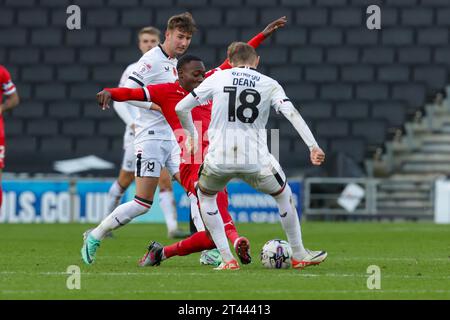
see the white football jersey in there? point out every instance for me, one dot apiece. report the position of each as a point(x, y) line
point(127, 112)
point(154, 67)
point(241, 102)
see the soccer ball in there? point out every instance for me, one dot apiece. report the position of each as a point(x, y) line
point(276, 254)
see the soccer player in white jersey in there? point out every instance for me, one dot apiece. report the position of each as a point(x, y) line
point(155, 144)
point(148, 38)
point(241, 102)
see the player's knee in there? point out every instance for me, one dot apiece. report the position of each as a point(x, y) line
point(202, 192)
point(284, 193)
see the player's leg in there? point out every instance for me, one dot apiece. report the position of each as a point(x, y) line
point(166, 197)
point(156, 252)
point(273, 181)
point(2, 158)
point(147, 175)
point(1, 189)
point(241, 244)
point(208, 186)
point(124, 180)
point(167, 204)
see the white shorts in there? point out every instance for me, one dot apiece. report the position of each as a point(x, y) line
point(129, 158)
point(270, 179)
point(153, 155)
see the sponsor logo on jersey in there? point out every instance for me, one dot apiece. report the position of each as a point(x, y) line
point(145, 68)
point(138, 75)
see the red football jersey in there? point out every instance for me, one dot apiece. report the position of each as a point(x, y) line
point(7, 87)
point(167, 96)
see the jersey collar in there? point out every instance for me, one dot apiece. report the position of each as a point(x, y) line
point(247, 68)
point(165, 53)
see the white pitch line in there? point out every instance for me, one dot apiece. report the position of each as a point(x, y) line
point(173, 274)
point(391, 259)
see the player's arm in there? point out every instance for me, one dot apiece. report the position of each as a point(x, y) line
point(183, 110)
point(199, 95)
point(9, 89)
point(105, 96)
point(11, 101)
point(133, 82)
point(132, 96)
point(121, 107)
point(260, 37)
point(283, 105)
point(141, 76)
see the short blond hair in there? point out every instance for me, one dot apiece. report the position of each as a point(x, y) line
point(241, 53)
point(150, 30)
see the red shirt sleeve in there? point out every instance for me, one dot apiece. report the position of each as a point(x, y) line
point(124, 94)
point(6, 83)
point(158, 93)
point(254, 42)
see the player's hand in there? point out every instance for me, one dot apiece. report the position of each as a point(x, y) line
point(317, 156)
point(191, 144)
point(274, 25)
point(155, 107)
point(103, 99)
point(1, 108)
point(133, 127)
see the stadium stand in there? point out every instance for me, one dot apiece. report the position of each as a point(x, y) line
point(351, 84)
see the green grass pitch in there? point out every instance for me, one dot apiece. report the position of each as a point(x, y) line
point(413, 259)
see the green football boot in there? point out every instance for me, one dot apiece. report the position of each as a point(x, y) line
point(211, 257)
point(89, 249)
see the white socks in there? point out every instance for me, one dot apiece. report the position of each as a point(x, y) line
point(121, 216)
point(290, 222)
point(167, 204)
point(195, 213)
point(214, 223)
point(115, 193)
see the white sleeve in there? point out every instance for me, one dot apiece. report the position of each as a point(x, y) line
point(283, 105)
point(144, 71)
point(121, 107)
point(198, 96)
point(122, 110)
point(183, 110)
point(205, 90)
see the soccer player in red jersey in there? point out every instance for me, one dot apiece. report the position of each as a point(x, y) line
point(191, 72)
point(7, 89)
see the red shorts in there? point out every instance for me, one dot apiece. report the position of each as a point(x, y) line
point(189, 177)
point(2, 144)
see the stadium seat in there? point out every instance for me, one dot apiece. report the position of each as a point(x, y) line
point(60, 147)
point(14, 127)
point(355, 109)
point(95, 145)
point(349, 83)
point(79, 127)
point(44, 127)
point(64, 109)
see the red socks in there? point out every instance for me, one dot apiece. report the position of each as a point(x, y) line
point(198, 242)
